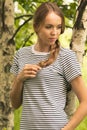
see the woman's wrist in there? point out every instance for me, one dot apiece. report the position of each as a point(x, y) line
point(19, 79)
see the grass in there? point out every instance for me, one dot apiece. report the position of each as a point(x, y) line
point(83, 124)
point(17, 116)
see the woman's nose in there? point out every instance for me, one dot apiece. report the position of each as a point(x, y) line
point(54, 31)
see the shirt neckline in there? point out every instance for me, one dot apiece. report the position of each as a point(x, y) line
point(37, 52)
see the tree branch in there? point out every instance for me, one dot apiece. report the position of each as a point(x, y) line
point(27, 15)
point(19, 29)
point(80, 9)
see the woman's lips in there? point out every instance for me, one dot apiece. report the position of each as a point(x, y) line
point(52, 39)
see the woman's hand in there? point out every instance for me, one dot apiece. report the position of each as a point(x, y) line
point(29, 71)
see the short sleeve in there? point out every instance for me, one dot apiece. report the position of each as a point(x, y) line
point(15, 65)
point(71, 66)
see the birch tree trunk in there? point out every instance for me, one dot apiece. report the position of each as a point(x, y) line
point(78, 45)
point(80, 31)
point(6, 53)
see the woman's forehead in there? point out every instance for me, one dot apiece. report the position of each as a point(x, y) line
point(52, 17)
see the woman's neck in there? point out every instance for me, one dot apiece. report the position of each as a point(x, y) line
point(41, 48)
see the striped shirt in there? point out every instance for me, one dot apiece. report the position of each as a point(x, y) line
point(44, 97)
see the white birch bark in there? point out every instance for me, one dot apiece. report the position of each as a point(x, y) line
point(79, 37)
point(78, 40)
point(6, 54)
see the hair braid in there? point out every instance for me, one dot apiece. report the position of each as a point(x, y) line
point(54, 50)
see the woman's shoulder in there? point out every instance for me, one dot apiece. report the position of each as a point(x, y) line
point(66, 52)
point(67, 55)
point(24, 49)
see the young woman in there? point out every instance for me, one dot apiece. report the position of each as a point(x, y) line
point(43, 72)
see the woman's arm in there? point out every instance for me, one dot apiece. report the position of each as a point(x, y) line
point(29, 71)
point(16, 92)
point(80, 89)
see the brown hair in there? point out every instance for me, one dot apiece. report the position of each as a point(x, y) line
point(39, 17)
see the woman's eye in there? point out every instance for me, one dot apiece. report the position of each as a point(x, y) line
point(59, 27)
point(51, 27)
point(48, 27)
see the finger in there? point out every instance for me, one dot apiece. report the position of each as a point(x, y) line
point(32, 67)
point(37, 66)
point(30, 76)
point(31, 72)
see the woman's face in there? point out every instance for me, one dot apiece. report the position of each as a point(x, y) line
point(50, 29)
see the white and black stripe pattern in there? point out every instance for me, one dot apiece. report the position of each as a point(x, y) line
point(44, 97)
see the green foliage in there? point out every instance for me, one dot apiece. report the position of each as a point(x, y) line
point(69, 10)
